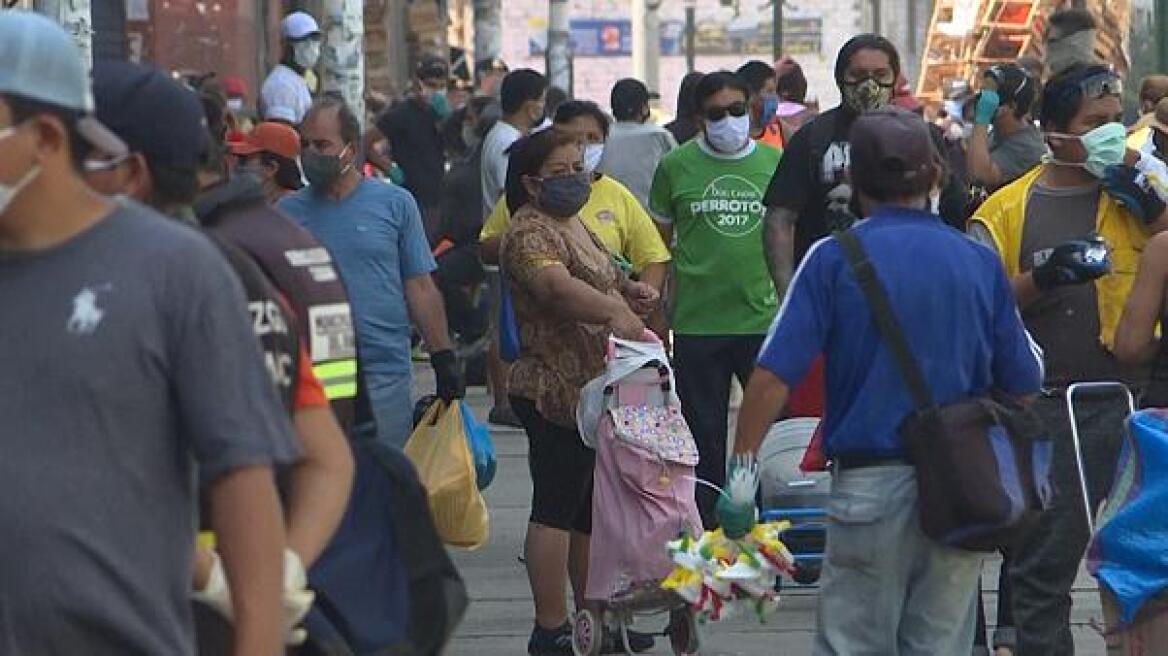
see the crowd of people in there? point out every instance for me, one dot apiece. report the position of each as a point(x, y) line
point(234, 294)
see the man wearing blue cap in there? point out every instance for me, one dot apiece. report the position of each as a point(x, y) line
point(887, 587)
point(128, 359)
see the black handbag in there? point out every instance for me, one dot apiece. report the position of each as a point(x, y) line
point(982, 465)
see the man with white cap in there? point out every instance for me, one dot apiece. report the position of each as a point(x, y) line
point(285, 95)
point(129, 358)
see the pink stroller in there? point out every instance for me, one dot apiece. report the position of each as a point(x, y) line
point(643, 496)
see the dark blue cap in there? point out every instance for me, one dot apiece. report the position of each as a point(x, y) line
point(151, 112)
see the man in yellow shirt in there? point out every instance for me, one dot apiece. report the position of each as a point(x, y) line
point(612, 212)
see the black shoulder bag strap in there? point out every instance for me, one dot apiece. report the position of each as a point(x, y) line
point(886, 322)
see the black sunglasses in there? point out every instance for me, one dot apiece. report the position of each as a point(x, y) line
point(734, 109)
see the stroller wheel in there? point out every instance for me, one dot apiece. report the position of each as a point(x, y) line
point(684, 634)
point(587, 634)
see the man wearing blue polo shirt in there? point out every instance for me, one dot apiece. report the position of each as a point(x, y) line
point(887, 588)
point(374, 233)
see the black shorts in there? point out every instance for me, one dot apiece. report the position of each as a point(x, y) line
point(561, 471)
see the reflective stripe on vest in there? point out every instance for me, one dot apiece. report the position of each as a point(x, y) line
point(338, 377)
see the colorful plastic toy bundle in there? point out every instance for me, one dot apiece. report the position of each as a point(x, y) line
point(720, 577)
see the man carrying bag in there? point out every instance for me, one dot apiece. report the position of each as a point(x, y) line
point(959, 323)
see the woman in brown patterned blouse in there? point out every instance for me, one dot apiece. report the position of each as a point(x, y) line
point(569, 296)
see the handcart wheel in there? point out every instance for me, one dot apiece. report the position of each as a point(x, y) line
point(587, 634)
point(684, 634)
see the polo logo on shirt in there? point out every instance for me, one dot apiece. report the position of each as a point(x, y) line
point(605, 216)
point(731, 205)
point(86, 314)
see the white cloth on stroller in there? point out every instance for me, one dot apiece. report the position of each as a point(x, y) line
point(630, 356)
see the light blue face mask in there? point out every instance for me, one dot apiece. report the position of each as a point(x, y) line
point(1106, 146)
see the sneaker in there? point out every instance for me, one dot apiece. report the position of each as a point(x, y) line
point(640, 642)
point(504, 416)
point(550, 642)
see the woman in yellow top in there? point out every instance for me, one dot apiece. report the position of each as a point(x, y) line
point(612, 213)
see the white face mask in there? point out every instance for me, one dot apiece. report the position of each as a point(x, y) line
point(9, 192)
point(235, 104)
point(592, 155)
point(306, 53)
point(730, 134)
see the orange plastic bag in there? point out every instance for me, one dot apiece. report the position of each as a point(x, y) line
point(438, 448)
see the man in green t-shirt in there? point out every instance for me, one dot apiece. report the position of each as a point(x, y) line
point(708, 193)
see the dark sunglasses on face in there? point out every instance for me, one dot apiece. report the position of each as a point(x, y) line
point(736, 110)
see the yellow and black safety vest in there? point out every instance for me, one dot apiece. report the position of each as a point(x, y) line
point(303, 271)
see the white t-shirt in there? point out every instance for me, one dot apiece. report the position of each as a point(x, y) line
point(494, 163)
point(285, 96)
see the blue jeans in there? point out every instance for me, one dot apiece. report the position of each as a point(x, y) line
point(887, 588)
point(393, 407)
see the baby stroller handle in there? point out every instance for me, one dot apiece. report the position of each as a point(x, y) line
point(1072, 391)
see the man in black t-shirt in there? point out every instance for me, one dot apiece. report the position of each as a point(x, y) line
point(810, 183)
point(809, 195)
point(411, 129)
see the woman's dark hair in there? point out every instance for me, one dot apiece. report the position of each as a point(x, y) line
point(687, 106)
point(215, 112)
point(287, 171)
point(715, 82)
point(791, 83)
point(574, 109)
point(23, 109)
point(1062, 98)
point(865, 42)
point(526, 157)
point(555, 97)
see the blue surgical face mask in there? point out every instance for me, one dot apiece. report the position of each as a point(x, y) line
point(770, 107)
point(1106, 146)
point(593, 153)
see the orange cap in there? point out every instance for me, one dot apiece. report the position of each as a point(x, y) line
point(269, 137)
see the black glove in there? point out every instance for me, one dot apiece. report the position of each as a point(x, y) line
point(448, 375)
point(1071, 263)
point(1134, 192)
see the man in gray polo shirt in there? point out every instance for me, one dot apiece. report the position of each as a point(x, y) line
point(128, 359)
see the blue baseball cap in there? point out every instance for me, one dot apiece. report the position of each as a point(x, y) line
point(40, 62)
point(152, 113)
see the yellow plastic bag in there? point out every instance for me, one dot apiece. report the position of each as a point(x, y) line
point(438, 448)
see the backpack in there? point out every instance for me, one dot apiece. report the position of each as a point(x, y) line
point(385, 585)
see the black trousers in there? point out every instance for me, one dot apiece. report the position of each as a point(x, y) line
point(460, 270)
point(704, 366)
point(1044, 567)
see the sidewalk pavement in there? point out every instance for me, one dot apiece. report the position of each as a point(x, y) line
point(499, 620)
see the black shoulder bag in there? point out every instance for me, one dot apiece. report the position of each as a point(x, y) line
point(982, 466)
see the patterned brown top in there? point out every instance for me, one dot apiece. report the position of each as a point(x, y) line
point(558, 355)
